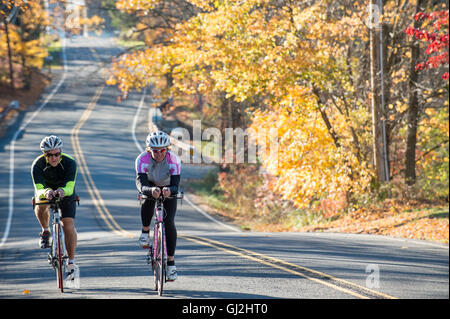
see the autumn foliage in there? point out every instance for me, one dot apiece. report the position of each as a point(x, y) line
point(301, 69)
point(25, 44)
point(26, 30)
point(437, 39)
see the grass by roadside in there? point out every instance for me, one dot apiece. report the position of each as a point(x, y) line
point(129, 44)
point(54, 59)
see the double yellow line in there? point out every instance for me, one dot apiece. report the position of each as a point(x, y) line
point(310, 274)
point(87, 177)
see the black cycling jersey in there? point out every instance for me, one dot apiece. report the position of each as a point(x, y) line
point(47, 177)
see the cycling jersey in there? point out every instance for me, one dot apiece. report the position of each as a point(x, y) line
point(151, 173)
point(47, 177)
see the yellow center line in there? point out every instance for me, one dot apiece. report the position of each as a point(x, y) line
point(275, 263)
point(87, 177)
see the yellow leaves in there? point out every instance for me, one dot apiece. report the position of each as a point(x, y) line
point(7, 5)
point(205, 4)
point(93, 22)
point(401, 106)
point(309, 164)
point(136, 5)
point(248, 52)
point(253, 49)
point(430, 111)
point(22, 40)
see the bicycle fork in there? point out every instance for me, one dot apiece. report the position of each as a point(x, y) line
point(52, 255)
point(153, 254)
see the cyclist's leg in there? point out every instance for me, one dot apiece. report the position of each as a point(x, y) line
point(170, 206)
point(43, 216)
point(70, 236)
point(42, 213)
point(171, 237)
point(68, 210)
point(147, 210)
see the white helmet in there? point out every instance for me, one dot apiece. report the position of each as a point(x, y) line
point(157, 139)
point(50, 143)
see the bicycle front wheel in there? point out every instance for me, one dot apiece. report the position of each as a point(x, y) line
point(155, 256)
point(59, 258)
point(160, 260)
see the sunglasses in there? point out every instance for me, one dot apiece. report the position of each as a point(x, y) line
point(162, 150)
point(52, 154)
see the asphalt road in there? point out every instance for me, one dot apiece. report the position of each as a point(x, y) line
point(214, 259)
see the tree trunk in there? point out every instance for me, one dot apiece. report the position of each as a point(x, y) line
point(11, 74)
point(413, 108)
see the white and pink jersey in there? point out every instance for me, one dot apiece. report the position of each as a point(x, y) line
point(158, 173)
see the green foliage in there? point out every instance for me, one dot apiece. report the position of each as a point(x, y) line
point(120, 20)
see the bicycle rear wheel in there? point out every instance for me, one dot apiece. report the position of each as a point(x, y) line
point(59, 258)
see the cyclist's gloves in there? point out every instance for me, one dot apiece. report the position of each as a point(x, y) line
point(147, 190)
point(59, 192)
point(49, 194)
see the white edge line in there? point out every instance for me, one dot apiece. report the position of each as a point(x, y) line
point(13, 145)
point(139, 147)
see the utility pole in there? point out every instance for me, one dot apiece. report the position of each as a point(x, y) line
point(377, 88)
point(85, 28)
point(383, 104)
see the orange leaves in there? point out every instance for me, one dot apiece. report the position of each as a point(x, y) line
point(421, 228)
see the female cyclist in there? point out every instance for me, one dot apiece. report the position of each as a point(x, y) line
point(158, 170)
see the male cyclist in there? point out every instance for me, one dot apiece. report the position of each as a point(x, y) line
point(158, 174)
point(54, 174)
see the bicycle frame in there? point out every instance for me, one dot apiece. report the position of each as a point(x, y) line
point(159, 253)
point(156, 253)
point(57, 257)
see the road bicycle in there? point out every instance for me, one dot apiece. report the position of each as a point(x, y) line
point(157, 251)
point(57, 257)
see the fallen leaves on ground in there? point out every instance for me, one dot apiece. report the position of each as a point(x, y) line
point(410, 220)
point(396, 220)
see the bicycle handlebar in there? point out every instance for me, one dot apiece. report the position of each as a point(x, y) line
point(180, 195)
point(55, 200)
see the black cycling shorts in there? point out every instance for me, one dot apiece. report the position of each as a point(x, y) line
point(68, 207)
point(170, 206)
